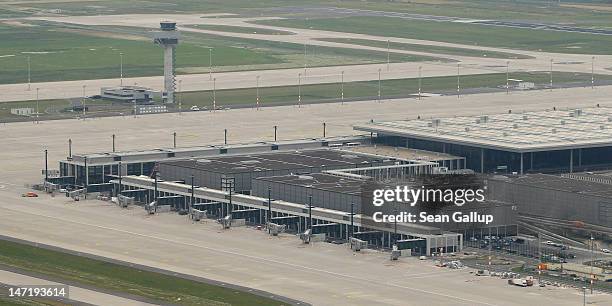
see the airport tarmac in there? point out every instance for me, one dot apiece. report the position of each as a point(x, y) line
point(322, 274)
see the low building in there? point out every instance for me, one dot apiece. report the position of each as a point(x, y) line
point(128, 94)
point(24, 111)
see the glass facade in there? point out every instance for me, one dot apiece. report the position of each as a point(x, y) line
point(489, 160)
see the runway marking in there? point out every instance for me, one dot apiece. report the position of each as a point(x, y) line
point(260, 259)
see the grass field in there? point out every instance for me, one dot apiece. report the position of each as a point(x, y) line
point(426, 48)
point(524, 10)
point(120, 278)
point(59, 53)
point(369, 89)
point(318, 93)
point(470, 34)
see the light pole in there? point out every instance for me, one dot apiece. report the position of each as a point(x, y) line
point(257, 92)
point(507, 77)
point(592, 259)
point(584, 296)
point(420, 76)
point(174, 139)
point(37, 109)
point(458, 84)
point(593, 72)
point(342, 87)
point(388, 54)
point(113, 142)
point(29, 74)
point(378, 85)
point(551, 74)
point(299, 89)
point(121, 68)
point(324, 129)
point(69, 147)
point(46, 166)
point(210, 63)
point(304, 57)
point(83, 104)
point(275, 130)
point(214, 94)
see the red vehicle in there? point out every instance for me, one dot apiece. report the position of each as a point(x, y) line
point(30, 194)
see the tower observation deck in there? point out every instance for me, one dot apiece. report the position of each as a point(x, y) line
point(168, 38)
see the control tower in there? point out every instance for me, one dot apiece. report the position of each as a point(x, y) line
point(168, 38)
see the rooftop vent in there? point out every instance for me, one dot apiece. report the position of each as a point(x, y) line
point(575, 113)
point(554, 131)
point(435, 122)
point(515, 126)
point(562, 122)
point(467, 129)
point(525, 117)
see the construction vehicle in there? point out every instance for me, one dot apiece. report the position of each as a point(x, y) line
point(151, 208)
point(395, 253)
point(226, 222)
point(305, 236)
point(196, 214)
point(275, 229)
point(358, 244)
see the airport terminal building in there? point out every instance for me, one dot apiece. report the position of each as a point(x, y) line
point(557, 140)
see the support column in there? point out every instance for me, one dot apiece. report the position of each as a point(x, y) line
point(571, 167)
point(521, 163)
point(482, 160)
point(531, 161)
point(580, 157)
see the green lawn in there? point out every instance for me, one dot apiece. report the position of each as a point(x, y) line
point(120, 278)
point(369, 89)
point(426, 48)
point(310, 93)
point(57, 55)
point(236, 29)
point(318, 93)
point(471, 34)
point(523, 10)
point(59, 52)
